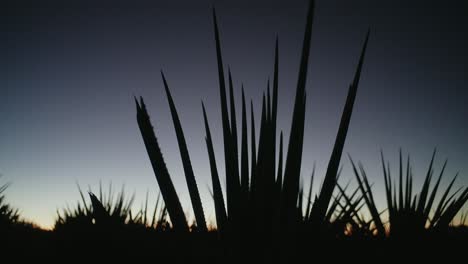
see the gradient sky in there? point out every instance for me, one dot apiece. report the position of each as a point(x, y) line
point(68, 75)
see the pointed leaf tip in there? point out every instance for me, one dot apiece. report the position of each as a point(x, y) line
point(361, 60)
point(166, 88)
point(136, 103)
point(142, 103)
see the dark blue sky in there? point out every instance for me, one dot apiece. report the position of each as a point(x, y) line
point(68, 75)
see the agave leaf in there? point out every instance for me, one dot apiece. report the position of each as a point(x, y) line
point(351, 208)
point(279, 177)
point(168, 192)
point(294, 154)
point(368, 197)
point(400, 201)
point(268, 100)
point(260, 177)
point(187, 164)
point(253, 155)
point(300, 199)
point(274, 115)
point(244, 151)
point(309, 196)
point(100, 214)
point(452, 210)
point(220, 209)
point(275, 89)
point(146, 209)
point(334, 204)
point(408, 186)
point(82, 199)
point(232, 183)
point(320, 208)
point(235, 152)
point(162, 216)
point(425, 188)
point(434, 192)
point(153, 220)
point(388, 189)
point(443, 202)
point(269, 154)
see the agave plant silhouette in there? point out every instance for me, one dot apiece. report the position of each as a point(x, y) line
point(108, 211)
point(411, 214)
point(8, 214)
point(263, 194)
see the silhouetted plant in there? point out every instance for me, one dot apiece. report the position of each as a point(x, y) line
point(168, 192)
point(410, 214)
point(8, 214)
point(187, 164)
point(262, 200)
point(108, 211)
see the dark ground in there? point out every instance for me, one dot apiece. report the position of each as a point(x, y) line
point(26, 243)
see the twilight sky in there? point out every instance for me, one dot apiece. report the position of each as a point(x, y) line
point(68, 75)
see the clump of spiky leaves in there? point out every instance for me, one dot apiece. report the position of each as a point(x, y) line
point(348, 220)
point(109, 211)
point(412, 215)
point(270, 198)
point(8, 215)
point(261, 199)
